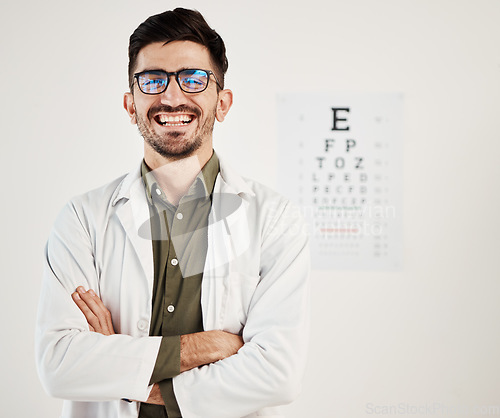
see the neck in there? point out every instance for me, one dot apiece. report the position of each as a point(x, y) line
point(175, 176)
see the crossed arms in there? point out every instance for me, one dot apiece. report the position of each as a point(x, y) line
point(197, 349)
point(267, 368)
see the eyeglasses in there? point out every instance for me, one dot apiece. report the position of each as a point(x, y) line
point(189, 81)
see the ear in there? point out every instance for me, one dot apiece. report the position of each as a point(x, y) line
point(128, 104)
point(224, 103)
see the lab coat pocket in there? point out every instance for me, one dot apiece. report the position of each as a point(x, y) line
point(240, 287)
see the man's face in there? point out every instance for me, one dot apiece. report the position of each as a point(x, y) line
point(176, 124)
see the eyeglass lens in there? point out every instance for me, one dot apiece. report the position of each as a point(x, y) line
point(190, 81)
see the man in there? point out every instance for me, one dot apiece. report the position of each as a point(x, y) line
point(181, 288)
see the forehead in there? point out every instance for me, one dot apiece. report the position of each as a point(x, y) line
point(173, 56)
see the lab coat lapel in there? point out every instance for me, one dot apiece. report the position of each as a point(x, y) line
point(228, 237)
point(135, 219)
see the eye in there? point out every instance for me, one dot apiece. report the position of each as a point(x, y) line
point(193, 80)
point(152, 81)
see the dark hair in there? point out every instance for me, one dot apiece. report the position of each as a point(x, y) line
point(178, 25)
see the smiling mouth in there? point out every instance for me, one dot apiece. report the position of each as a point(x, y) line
point(171, 120)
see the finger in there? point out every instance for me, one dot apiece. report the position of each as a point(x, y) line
point(92, 320)
point(104, 324)
point(107, 314)
point(94, 313)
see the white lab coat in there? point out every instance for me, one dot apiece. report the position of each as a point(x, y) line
point(255, 283)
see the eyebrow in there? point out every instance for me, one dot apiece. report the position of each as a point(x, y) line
point(163, 71)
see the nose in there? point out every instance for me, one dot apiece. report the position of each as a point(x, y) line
point(173, 95)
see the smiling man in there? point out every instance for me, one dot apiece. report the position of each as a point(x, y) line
point(180, 289)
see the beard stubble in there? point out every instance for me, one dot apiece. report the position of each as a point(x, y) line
point(170, 145)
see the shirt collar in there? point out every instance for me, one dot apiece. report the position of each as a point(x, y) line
point(202, 187)
point(229, 181)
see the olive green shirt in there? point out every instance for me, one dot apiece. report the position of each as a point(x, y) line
point(179, 251)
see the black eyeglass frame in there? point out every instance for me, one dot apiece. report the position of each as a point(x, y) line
point(176, 74)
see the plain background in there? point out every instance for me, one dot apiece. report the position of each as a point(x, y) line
point(426, 335)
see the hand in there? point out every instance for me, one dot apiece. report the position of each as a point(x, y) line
point(97, 315)
point(155, 396)
point(99, 319)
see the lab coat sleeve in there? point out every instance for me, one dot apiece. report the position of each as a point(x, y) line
point(268, 369)
point(74, 363)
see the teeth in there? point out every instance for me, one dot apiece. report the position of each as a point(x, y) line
point(177, 120)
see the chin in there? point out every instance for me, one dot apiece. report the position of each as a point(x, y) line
point(173, 152)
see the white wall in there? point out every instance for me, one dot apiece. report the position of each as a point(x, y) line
point(424, 335)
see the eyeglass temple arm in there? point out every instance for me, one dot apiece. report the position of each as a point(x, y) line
point(216, 80)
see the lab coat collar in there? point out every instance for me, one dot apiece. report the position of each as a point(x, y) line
point(231, 182)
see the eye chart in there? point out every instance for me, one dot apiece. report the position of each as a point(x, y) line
point(340, 161)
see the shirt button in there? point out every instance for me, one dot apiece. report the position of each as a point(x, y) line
point(142, 324)
point(170, 308)
point(180, 216)
point(174, 261)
